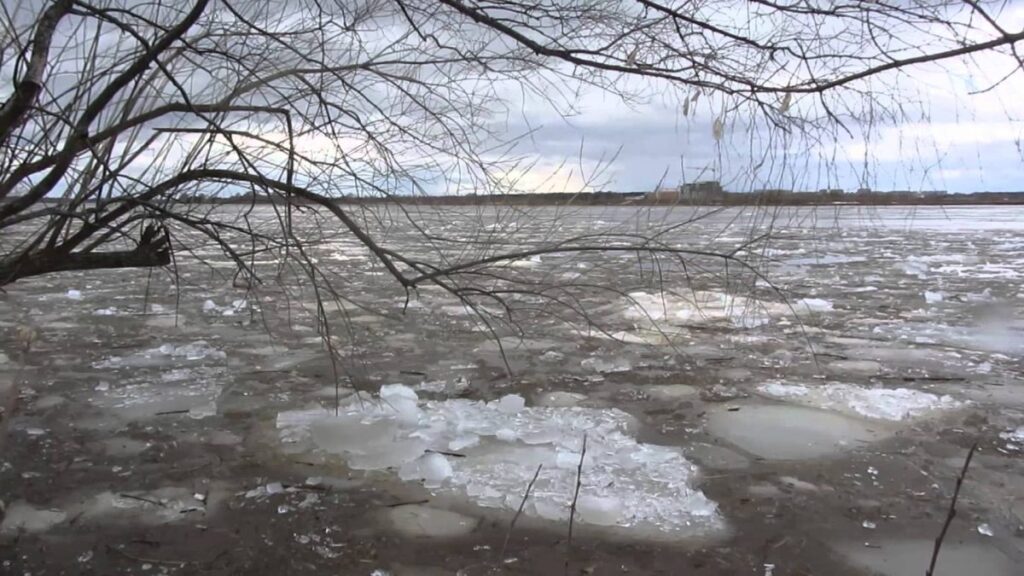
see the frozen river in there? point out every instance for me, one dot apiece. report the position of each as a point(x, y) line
point(758, 386)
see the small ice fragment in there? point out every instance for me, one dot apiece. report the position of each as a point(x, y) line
point(814, 305)
point(84, 557)
point(985, 530)
point(505, 435)
point(284, 509)
point(552, 356)
point(606, 366)
point(310, 499)
point(74, 295)
point(199, 496)
point(869, 525)
point(1013, 435)
point(203, 411)
point(567, 460)
point(395, 391)
point(432, 468)
point(603, 511)
point(275, 488)
point(933, 297)
point(103, 386)
point(35, 431)
point(463, 441)
point(769, 569)
point(549, 510)
point(511, 403)
point(402, 400)
point(210, 306)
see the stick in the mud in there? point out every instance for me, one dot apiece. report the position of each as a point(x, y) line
point(522, 504)
point(952, 511)
point(572, 508)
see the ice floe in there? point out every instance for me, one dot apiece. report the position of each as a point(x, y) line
point(500, 445)
point(23, 517)
point(892, 404)
point(702, 307)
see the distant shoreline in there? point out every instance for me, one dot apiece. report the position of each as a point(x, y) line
point(639, 199)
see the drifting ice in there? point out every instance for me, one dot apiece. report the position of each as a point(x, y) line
point(893, 404)
point(624, 483)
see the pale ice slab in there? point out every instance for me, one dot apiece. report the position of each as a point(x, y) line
point(23, 517)
point(907, 557)
point(790, 432)
point(417, 520)
point(192, 352)
point(624, 483)
point(813, 305)
point(703, 307)
point(892, 404)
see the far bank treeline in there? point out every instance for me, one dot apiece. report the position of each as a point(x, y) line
point(760, 198)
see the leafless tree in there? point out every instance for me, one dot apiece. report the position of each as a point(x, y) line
point(119, 115)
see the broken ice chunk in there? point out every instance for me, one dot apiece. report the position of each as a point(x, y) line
point(74, 294)
point(22, 516)
point(549, 510)
point(370, 446)
point(566, 460)
point(814, 305)
point(603, 511)
point(403, 401)
point(510, 404)
point(606, 366)
point(463, 441)
point(505, 435)
point(432, 468)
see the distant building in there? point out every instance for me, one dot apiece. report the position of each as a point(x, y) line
point(665, 195)
point(704, 191)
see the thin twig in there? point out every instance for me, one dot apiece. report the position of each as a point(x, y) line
point(572, 508)
point(952, 511)
point(142, 499)
point(407, 503)
point(178, 563)
point(522, 503)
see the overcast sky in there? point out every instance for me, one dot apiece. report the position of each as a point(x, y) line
point(952, 140)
